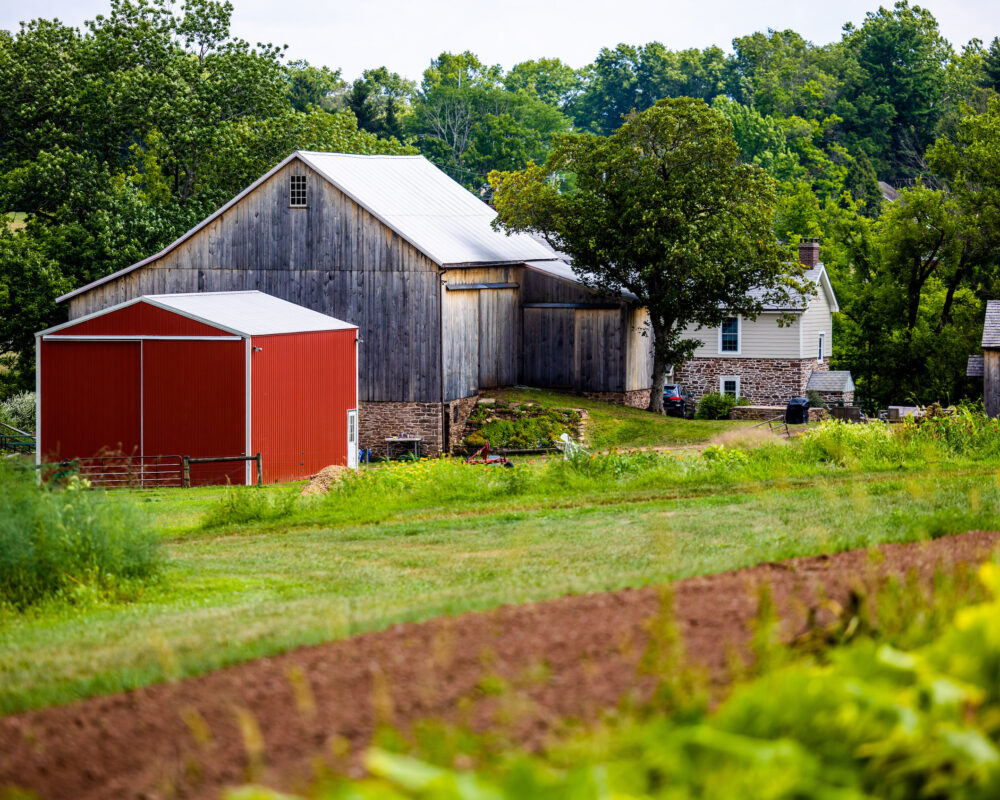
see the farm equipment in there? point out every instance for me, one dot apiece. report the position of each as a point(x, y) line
point(482, 456)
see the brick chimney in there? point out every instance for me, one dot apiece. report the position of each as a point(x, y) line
point(809, 252)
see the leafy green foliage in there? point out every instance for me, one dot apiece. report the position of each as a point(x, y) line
point(19, 410)
point(119, 138)
point(869, 719)
point(68, 543)
point(717, 406)
point(663, 210)
point(520, 426)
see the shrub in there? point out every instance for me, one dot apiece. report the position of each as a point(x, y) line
point(60, 543)
point(242, 504)
point(19, 410)
point(718, 406)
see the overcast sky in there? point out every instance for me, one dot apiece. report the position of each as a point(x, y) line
point(404, 35)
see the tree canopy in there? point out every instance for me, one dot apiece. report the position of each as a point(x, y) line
point(662, 209)
point(116, 138)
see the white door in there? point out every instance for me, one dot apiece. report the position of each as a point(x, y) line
point(352, 439)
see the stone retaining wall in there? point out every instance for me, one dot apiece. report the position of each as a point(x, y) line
point(770, 412)
point(458, 419)
point(635, 398)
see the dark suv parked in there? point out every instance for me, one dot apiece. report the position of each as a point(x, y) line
point(675, 403)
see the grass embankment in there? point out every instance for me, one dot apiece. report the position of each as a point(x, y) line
point(610, 426)
point(408, 542)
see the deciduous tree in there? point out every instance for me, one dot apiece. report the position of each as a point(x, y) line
point(664, 209)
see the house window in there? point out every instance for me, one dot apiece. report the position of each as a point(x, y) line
point(729, 335)
point(297, 192)
point(819, 352)
point(730, 385)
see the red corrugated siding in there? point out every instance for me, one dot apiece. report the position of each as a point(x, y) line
point(194, 403)
point(303, 386)
point(90, 399)
point(141, 319)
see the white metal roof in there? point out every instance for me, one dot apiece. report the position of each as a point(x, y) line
point(437, 215)
point(248, 313)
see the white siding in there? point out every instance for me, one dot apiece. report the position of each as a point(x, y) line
point(816, 320)
point(759, 338)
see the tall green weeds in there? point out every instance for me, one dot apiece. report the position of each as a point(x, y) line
point(65, 543)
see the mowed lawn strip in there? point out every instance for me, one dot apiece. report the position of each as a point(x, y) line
point(234, 596)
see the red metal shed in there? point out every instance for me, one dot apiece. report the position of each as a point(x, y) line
point(203, 375)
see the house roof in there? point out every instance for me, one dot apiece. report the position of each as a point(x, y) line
point(991, 328)
point(410, 195)
point(974, 369)
point(795, 301)
point(830, 381)
point(243, 313)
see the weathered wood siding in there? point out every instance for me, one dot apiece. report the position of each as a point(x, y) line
point(549, 351)
point(481, 330)
point(599, 353)
point(991, 382)
point(639, 350)
point(332, 256)
point(583, 345)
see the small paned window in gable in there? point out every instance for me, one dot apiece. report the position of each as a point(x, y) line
point(297, 191)
point(730, 338)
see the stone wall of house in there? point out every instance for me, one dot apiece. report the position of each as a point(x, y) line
point(635, 398)
point(763, 381)
point(378, 421)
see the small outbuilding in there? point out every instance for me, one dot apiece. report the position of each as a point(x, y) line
point(987, 366)
point(209, 375)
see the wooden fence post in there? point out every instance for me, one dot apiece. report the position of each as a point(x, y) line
point(186, 480)
point(260, 469)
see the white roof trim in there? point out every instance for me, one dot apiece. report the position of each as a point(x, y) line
point(163, 302)
point(824, 281)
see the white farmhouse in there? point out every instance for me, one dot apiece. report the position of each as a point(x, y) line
point(766, 362)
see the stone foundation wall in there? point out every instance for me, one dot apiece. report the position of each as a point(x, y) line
point(458, 416)
point(378, 421)
point(635, 398)
point(763, 381)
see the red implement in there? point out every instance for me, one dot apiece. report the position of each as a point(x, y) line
point(482, 456)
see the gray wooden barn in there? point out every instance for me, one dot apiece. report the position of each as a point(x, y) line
point(446, 306)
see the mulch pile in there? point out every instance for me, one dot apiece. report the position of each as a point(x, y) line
point(572, 657)
point(322, 481)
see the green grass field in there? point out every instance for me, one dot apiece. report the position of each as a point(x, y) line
point(234, 595)
point(408, 542)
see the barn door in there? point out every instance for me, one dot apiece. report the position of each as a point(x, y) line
point(91, 403)
point(352, 439)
